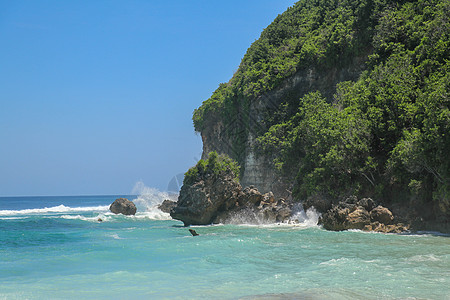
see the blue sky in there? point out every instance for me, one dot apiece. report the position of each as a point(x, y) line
point(98, 95)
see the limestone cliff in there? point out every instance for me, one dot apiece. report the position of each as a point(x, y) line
point(343, 98)
point(258, 169)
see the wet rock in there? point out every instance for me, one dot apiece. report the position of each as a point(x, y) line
point(201, 202)
point(167, 205)
point(380, 227)
point(221, 199)
point(123, 206)
point(193, 232)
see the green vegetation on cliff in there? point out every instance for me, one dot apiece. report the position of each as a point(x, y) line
point(215, 164)
point(385, 135)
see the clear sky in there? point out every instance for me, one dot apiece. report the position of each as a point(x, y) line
point(98, 95)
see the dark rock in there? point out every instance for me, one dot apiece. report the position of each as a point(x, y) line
point(319, 202)
point(367, 203)
point(167, 205)
point(123, 206)
point(221, 199)
point(382, 215)
point(201, 202)
point(193, 232)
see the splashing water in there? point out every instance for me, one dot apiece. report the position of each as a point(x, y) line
point(149, 199)
point(308, 218)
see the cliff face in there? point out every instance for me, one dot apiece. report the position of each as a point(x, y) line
point(258, 168)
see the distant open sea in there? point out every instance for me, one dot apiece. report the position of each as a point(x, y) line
point(55, 248)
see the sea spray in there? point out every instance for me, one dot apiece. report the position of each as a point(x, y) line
point(149, 199)
point(308, 218)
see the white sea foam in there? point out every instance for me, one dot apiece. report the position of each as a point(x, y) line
point(308, 218)
point(426, 257)
point(335, 262)
point(54, 209)
point(103, 218)
point(148, 201)
point(299, 218)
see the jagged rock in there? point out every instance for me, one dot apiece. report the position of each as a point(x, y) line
point(221, 199)
point(201, 202)
point(358, 218)
point(167, 205)
point(354, 214)
point(123, 206)
point(367, 203)
point(251, 195)
point(382, 215)
point(319, 202)
point(380, 227)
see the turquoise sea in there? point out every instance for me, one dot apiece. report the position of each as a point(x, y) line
point(56, 248)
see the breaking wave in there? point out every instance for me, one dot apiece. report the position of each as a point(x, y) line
point(55, 209)
point(148, 201)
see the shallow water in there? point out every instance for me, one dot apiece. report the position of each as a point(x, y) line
point(64, 252)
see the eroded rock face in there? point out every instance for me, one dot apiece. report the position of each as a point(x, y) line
point(360, 214)
point(123, 206)
point(220, 199)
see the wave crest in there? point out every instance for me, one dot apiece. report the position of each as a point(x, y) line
point(55, 209)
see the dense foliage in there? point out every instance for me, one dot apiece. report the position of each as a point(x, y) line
point(214, 165)
point(384, 135)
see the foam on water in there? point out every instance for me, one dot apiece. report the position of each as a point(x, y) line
point(55, 209)
point(71, 255)
point(148, 201)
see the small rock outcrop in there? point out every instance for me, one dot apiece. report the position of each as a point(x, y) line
point(167, 205)
point(362, 214)
point(123, 206)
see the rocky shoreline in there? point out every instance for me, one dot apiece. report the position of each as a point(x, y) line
point(217, 197)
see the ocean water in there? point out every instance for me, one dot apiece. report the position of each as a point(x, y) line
point(55, 248)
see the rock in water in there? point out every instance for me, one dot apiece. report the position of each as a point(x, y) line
point(199, 203)
point(362, 214)
point(167, 205)
point(193, 232)
point(212, 194)
point(123, 206)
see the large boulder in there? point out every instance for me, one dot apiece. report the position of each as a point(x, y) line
point(381, 214)
point(201, 202)
point(167, 205)
point(123, 206)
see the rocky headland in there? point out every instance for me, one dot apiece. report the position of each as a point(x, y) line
point(321, 110)
point(212, 197)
